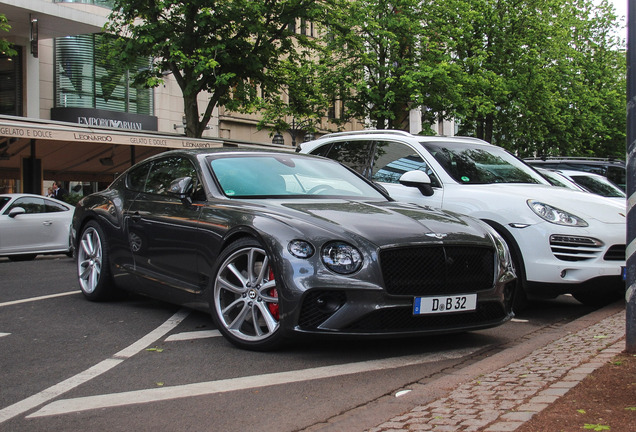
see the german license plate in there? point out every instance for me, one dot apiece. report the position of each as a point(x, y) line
point(444, 304)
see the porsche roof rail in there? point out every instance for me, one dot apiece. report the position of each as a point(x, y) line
point(370, 132)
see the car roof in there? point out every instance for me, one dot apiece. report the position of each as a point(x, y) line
point(575, 160)
point(579, 173)
point(389, 134)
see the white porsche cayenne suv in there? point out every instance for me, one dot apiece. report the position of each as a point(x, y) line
point(562, 241)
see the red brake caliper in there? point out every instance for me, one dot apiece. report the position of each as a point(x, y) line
point(273, 307)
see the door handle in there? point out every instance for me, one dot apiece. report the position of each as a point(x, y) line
point(47, 223)
point(136, 217)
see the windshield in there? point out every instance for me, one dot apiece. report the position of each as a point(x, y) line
point(478, 164)
point(286, 176)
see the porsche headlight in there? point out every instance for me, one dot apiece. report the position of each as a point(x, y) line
point(341, 257)
point(555, 215)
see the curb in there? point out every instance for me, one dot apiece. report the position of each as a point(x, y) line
point(500, 392)
point(505, 399)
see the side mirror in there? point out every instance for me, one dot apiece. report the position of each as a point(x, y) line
point(15, 211)
point(182, 188)
point(417, 179)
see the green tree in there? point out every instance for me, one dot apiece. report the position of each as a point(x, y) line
point(236, 50)
point(541, 76)
point(5, 46)
point(382, 58)
point(534, 76)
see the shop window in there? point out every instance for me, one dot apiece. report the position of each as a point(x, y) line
point(11, 83)
point(85, 77)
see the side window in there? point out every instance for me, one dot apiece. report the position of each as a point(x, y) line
point(136, 179)
point(164, 171)
point(31, 205)
point(617, 176)
point(357, 155)
point(53, 207)
point(394, 159)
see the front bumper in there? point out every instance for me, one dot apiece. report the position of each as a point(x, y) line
point(558, 256)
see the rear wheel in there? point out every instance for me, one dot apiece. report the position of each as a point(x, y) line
point(245, 301)
point(92, 264)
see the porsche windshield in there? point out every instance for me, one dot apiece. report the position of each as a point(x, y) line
point(477, 164)
point(288, 176)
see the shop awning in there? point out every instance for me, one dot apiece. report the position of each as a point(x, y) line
point(80, 153)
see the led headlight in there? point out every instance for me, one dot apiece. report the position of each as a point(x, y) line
point(300, 248)
point(341, 257)
point(555, 215)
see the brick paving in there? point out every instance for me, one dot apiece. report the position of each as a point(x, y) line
point(503, 400)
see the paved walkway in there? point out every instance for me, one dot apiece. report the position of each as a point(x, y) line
point(504, 399)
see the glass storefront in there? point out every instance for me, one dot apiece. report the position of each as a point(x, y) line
point(11, 83)
point(85, 77)
point(104, 3)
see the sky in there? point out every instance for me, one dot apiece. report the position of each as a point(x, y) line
point(621, 8)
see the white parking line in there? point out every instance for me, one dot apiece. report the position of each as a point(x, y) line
point(193, 335)
point(4, 334)
point(31, 299)
point(90, 373)
point(212, 387)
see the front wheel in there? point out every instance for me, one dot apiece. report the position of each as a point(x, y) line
point(92, 264)
point(244, 301)
point(597, 299)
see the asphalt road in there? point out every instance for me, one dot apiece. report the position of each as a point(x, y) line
point(138, 364)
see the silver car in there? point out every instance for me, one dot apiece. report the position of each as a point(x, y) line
point(32, 224)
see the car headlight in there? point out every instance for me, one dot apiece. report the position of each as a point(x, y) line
point(300, 248)
point(341, 257)
point(555, 215)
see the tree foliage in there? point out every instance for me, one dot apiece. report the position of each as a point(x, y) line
point(5, 46)
point(534, 76)
point(232, 49)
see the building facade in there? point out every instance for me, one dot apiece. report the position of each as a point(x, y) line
point(68, 114)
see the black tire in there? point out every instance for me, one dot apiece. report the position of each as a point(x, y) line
point(22, 257)
point(519, 297)
point(246, 308)
point(597, 298)
point(93, 271)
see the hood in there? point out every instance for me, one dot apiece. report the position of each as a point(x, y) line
point(583, 204)
point(385, 223)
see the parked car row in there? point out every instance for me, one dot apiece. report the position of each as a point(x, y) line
point(561, 241)
point(400, 235)
point(584, 181)
point(612, 169)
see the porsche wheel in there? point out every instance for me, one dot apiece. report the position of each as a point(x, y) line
point(245, 297)
point(92, 264)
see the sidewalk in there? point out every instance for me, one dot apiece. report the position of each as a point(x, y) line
point(505, 398)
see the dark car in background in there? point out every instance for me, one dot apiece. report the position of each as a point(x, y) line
point(276, 244)
point(613, 169)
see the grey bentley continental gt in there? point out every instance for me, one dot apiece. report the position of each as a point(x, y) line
point(276, 244)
